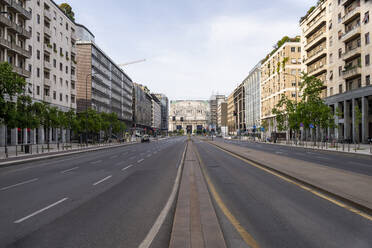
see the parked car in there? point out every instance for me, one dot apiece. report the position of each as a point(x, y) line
point(145, 138)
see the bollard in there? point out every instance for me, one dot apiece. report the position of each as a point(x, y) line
point(16, 151)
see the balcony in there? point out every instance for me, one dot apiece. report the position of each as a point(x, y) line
point(47, 99)
point(73, 36)
point(47, 81)
point(351, 72)
point(19, 8)
point(315, 56)
point(351, 15)
point(47, 31)
point(21, 51)
point(23, 32)
point(355, 31)
point(316, 23)
point(352, 53)
point(8, 2)
point(5, 21)
point(315, 40)
point(22, 72)
point(73, 77)
point(317, 70)
point(48, 48)
point(5, 43)
point(47, 14)
point(47, 65)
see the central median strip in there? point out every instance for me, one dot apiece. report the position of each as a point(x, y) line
point(40, 211)
point(19, 184)
point(102, 180)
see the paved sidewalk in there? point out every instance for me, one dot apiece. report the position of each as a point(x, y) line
point(195, 223)
point(353, 187)
point(361, 149)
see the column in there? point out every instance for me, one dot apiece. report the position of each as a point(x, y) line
point(33, 136)
point(25, 138)
point(68, 136)
point(354, 131)
point(346, 120)
point(41, 135)
point(50, 135)
point(53, 133)
point(336, 106)
point(63, 135)
point(14, 137)
point(365, 127)
point(2, 135)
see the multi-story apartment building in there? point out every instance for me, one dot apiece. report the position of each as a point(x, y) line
point(280, 75)
point(222, 118)
point(252, 86)
point(337, 49)
point(213, 103)
point(239, 103)
point(14, 36)
point(349, 82)
point(142, 108)
point(53, 61)
point(231, 125)
point(315, 41)
point(155, 114)
point(101, 84)
point(164, 104)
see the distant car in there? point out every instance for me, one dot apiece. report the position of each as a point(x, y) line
point(145, 138)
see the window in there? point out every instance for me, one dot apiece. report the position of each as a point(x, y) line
point(293, 94)
point(60, 66)
point(54, 63)
point(66, 69)
point(366, 36)
point(366, 18)
point(330, 25)
point(294, 84)
point(339, 18)
point(340, 89)
point(330, 41)
point(38, 72)
point(66, 84)
point(299, 49)
point(46, 91)
point(293, 49)
point(293, 71)
point(54, 79)
point(331, 91)
point(38, 54)
point(60, 97)
point(38, 36)
point(340, 71)
point(72, 99)
point(66, 26)
point(367, 60)
point(61, 82)
point(38, 90)
point(331, 58)
point(368, 80)
point(54, 95)
point(339, 53)
point(38, 19)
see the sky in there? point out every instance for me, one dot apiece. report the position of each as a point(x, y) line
point(193, 48)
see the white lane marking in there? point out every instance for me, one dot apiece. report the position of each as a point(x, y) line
point(322, 157)
point(19, 184)
point(141, 160)
point(40, 211)
point(96, 162)
point(148, 155)
point(127, 167)
point(65, 171)
point(102, 180)
point(146, 243)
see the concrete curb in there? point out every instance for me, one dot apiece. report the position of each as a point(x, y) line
point(22, 161)
point(345, 200)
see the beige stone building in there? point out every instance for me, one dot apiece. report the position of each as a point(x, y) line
point(239, 107)
point(222, 118)
point(340, 56)
point(280, 74)
point(231, 125)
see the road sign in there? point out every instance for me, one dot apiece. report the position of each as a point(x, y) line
point(262, 129)
point(311, 125)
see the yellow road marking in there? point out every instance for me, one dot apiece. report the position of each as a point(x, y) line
point(317, 193)
point(249, 240)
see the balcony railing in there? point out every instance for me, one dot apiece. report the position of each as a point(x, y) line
point(314, 54)
point(351, 14)
point(318, 20)
point(351, 32)
point(47, 65)
point(47, 31)
point(314, 39)
point(48, 48)
point(19, 8)
point(351, 52)
point(22, 72)
point(47, 14)
point(47, 81)
point(351, 72)
point(20, 50)
point(5, 43)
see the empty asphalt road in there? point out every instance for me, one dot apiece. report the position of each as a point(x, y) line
point(107, 198)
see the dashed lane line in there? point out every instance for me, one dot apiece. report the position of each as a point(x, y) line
point(139, 161)
point(126, 168)
point(65, 171)
point(19, 184)
point(102, 180)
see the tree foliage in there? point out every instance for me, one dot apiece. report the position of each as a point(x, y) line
point(65, 7)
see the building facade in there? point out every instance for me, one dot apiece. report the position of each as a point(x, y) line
point(156, 114)
point(188, 115)
point(280, 76)
point(231, 125)
point(14, 38)
point(252, 85)
point(222, 118)
point(213, 103)
point(101, 84)
point(142, 108)
point(239, 106)
point(164, 104)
